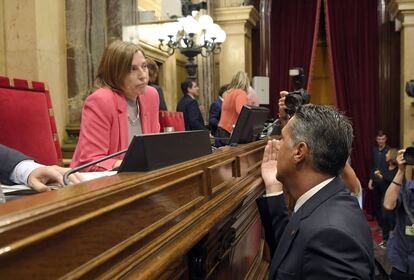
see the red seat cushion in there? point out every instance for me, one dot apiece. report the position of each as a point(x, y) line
point(26, 121)
point(172, 119)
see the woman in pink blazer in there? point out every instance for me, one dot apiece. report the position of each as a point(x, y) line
point(123, 106)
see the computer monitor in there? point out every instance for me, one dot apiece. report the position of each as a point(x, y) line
point(249, 125)
point(152, 151)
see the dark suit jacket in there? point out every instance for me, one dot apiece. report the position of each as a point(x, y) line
point(192, 115)
point(214, 115)
point(9, 158)
point(327, 238)
point(163, 106)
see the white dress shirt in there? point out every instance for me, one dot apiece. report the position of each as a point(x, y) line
point(21, 172)
point(306, 196)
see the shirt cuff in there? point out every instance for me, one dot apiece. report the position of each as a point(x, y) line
point(21, 172)
point(273, 194)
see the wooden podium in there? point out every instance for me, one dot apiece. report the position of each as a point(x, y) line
point(194, 220)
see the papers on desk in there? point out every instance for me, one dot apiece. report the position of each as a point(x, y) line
point(23, 189)
point(87, 176)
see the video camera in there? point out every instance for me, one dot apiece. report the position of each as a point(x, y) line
point(409, 88)
point(409, 156)
point(409, 152)
point(299, 96)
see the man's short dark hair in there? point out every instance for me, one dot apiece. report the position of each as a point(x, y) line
point(223, 89)
point(187, 84)
point(328, 134)
point(380, 133)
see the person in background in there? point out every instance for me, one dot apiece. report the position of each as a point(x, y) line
point(327, 235)
point(123, 106)
point(352, 182)
point(379, 166)
point(17, 168)
point(215, 110)
point(188, 104)
point(153, 72)
point(236, 98)
point(384, 179)
point(283, 117)
point(399, 198)
point(252, 97)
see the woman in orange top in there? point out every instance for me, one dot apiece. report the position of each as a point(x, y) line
point(235, 98)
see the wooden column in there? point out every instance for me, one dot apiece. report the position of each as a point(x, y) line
point(236, 53)
point(403, 10)
point(90, 24)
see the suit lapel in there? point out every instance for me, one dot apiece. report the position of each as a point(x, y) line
point(320, 197)
point(284, 244)
point(120, 102)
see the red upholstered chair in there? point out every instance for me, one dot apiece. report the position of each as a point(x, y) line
point(27, 123)
point(172, 119)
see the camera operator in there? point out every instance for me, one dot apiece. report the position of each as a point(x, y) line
point(399, 198)
point(290, 101)
point(348, 175)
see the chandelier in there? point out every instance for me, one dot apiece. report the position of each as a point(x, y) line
point(192, 35)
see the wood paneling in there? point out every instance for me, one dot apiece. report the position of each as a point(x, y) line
point(194, 219)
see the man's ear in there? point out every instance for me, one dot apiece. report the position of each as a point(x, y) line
point(301, 152)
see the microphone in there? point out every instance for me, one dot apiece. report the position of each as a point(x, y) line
point(220, 138)
point(268, 130)
point(77, 169)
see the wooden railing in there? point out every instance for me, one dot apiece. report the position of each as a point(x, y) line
point(194, 220)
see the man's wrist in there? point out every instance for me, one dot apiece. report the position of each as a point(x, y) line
point(396, 183)
point(274, 188)
point(22, 171)
point(272, 194)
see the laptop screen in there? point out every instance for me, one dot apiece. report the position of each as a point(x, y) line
point(249, 125)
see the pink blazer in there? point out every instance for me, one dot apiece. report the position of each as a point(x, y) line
point(104, 126)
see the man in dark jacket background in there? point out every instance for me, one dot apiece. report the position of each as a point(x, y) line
point(188, 104)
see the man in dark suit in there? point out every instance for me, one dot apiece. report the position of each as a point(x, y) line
point(189, 106)
point(327, 236)
point(215, 110)
point(16, 168)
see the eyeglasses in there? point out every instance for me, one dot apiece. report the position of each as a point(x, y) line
point(143, 67)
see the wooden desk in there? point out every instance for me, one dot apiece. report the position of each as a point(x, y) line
point(195, 220)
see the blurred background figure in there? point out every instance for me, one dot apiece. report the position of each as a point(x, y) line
point(252, 97)
point(215, 110)
point(153, 72)
point(378, 167)
point(399, 198)
point(384, 179)
point(188, 104)
point(236, 98)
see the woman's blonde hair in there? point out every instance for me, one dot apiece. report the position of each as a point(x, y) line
point(240, 81)
point(116, 63)
point(393, 155)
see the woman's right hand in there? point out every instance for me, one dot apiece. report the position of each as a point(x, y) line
point(282, 107)
point(400, 160)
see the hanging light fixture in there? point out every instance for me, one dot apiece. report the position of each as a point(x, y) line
point(192, 35)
